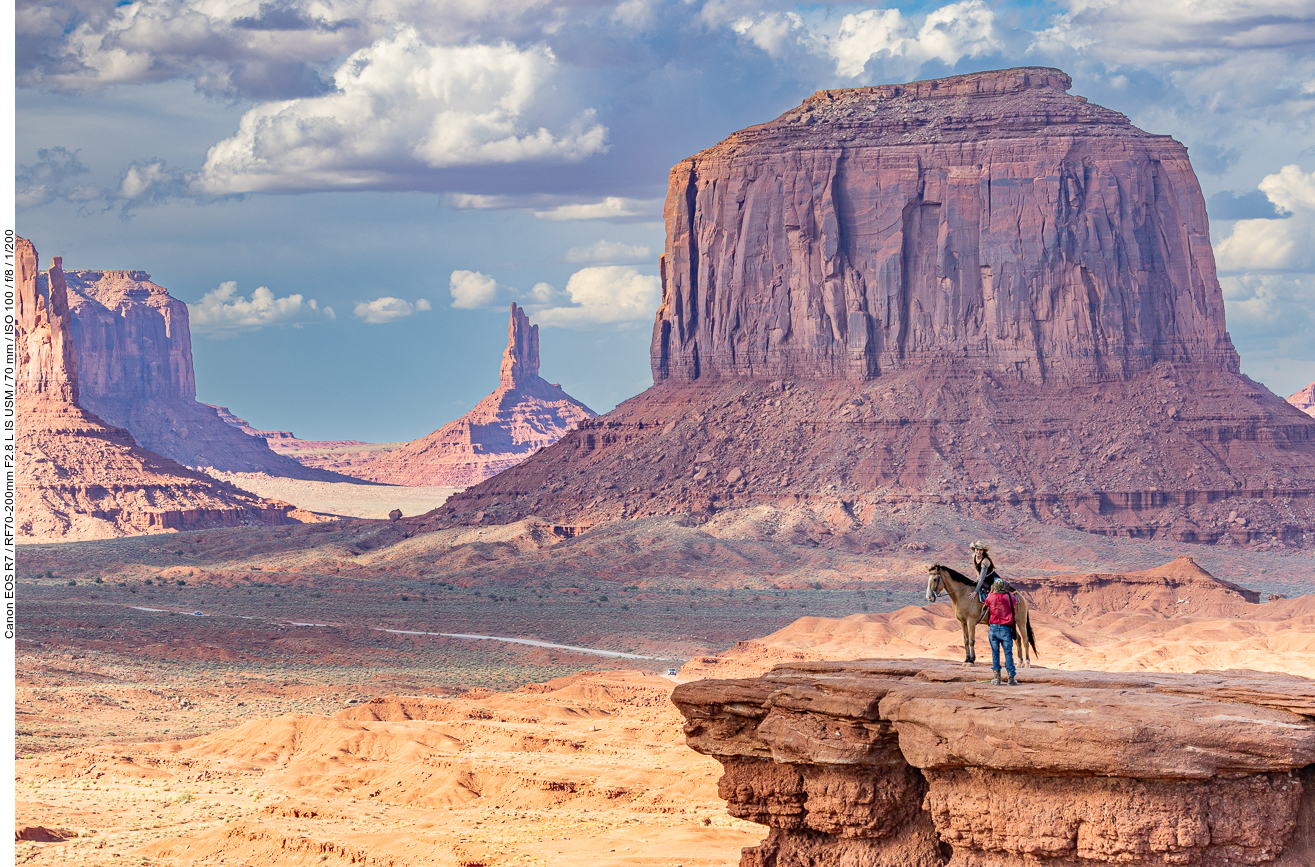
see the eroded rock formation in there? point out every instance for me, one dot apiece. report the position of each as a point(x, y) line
point(524, 414)
point(79, 478)
point(134, 350)
point(1304, 400)
point(993, 219)
point(918, 762)
point(979, 291)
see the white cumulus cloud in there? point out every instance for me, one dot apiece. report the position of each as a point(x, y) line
point(773, 32)
point(610, 208)
point(222, 312)
point(471, 290)
point(605, 294)
point(947, 34)
point(387, 309)
point(609, 253)
point(1286, 244)
point(401, 109)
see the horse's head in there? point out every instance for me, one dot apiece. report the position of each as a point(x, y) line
point(933, 581)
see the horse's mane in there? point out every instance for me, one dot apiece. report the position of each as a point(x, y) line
point(958, 576)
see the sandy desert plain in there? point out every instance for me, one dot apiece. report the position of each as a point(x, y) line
point(270, 695)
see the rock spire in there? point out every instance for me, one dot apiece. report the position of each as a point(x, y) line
point(47, 360)
point(522, 415)
point(520, 361)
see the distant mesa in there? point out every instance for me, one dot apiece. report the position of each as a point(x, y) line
point(79, 478)
point(1304, 400)
point(980, 291)
point(281, 441)
point(524, 414)
point(134, 349)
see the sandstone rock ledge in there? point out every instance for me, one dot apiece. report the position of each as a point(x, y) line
point(919, 763)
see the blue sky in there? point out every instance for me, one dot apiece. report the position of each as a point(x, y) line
point(413, 166)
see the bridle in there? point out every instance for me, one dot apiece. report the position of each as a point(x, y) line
point(934, 586)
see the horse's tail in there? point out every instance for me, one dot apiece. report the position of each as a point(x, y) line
point(1031, 638)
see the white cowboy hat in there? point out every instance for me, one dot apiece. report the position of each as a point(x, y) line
point(979, 545)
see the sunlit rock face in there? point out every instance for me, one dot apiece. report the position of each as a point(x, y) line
point(79, 478)
point(980, 291)
point(135, 370)
point(524, 414)
point(993, 219)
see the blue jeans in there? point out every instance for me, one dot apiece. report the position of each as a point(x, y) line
point(1002, 635)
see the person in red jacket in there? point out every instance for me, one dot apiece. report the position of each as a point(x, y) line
point(1000, 604)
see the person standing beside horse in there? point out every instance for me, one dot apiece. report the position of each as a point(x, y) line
point(1000, 604)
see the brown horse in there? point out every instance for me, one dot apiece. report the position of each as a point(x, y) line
point(968, 608)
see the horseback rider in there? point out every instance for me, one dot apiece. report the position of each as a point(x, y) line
point(1000, 605)
point(985, 567)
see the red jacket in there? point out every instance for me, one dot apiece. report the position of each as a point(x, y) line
point(1002, 609)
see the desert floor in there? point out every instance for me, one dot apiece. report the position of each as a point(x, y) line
point(340, 498)
point(270, 695)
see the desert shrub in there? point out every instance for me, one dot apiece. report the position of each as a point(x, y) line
point(72, 583)
point(149, 582)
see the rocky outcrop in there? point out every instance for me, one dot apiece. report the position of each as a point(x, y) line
point(980, 291)
point(1178, 587)
point(992, 219)
point(524, 414)
point(918, 762)
point(134, 350)
point(79, 478)
point(1304, 400)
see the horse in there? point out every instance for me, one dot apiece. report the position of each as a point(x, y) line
point(968, 608)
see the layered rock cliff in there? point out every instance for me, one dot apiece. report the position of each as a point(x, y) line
point(992, 219)
point(918, 763)
point(980, 291)
point(79, 478)
point(134, 349)
point(524, 414)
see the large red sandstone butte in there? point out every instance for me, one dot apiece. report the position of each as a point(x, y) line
point(79, 478)
point(918, 763)
point(134, 348)
point(1304, 400)
point(524, 414)
point(979, 291)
